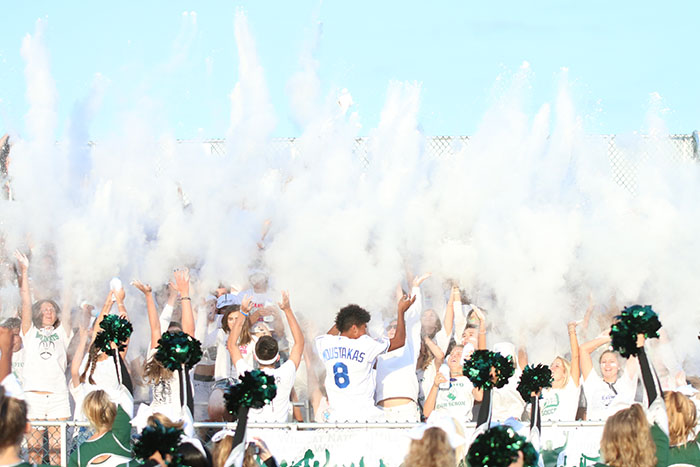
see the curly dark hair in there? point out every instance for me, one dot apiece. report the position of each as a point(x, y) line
point(351, 315)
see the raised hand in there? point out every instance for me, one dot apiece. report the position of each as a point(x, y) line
point(405, 303)
point(22, 261)
point(247, 305)
point(182, 282)
point(417, 281)
point(144, 288)
point(284, 303)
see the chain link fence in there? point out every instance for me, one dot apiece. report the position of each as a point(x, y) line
point(625, 155)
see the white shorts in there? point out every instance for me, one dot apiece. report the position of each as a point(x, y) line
point(406, 413)
point(50, 406)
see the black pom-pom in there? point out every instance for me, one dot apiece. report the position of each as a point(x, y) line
point(176, 349)
point(255, 389)
point(114, 329)
point(157, 438)
point(498, 447)
point(487, 369)
point(633, 320)
point(534, 379)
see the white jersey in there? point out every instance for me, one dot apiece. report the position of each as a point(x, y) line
point(276, 411)
point(396, 370)
point(350, 380)
point(45, 354)
point(603, 399)
point(560, 404)
point(507, 401)
point(18, 364)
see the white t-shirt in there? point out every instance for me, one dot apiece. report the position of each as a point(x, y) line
point(426, 378)
point(223, 367)
point(45, 354)
point(276, 411)
point(167, 392)
point(105, 377)
point(396, 370)
point(349, 379)
point(458, 400)
point(506, 401)
point(560, 404)
point(18, 365)
point(603, 400)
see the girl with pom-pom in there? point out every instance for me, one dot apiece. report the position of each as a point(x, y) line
point(171, 388)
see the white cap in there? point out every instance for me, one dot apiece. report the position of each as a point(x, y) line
point(443, 421)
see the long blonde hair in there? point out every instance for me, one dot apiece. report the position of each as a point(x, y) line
point(682, 417)
point(154, 372)
point(222, 449)
point(567, 367)
point(433, 449)
point(99, 410)
point(627, 439)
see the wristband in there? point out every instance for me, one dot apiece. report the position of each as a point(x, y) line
point(185, 298)
point(244, 313)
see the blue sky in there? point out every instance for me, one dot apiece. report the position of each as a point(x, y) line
point(617, 53)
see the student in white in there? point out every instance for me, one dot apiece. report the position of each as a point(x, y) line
point(267, 355)
point(167, 388)
point(45, 340)
point(610, 391)
point(560, 402)
point(397, 384)
point(15, 325)
point(348, 355)
point(457, 395)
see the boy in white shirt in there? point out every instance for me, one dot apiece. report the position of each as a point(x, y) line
point(349, 354)
point(267, 355)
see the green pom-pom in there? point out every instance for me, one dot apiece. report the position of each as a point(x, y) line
point(498, 447)
point(631, 321)
point(176, 349)
point(114, 329)
point(533, 379)
point(158, 438)
point(255, 389)
point(487, 369)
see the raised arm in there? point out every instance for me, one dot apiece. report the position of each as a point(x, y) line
point(481, 340)
point(437, 352)
point(26, 296)
point(106, 308)
point(575, 371)
point(585, 351)
point(399, 339)
point(78, 356)
point(431, 398)
point(239, 319)
point(119, 296)
point(6, 350)
point(450, 311)
point(153, 320)
point(182, 284)
point(298, 347)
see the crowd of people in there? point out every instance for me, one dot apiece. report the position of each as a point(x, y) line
point(53, 368)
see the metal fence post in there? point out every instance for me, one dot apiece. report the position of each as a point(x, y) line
point(64, 444)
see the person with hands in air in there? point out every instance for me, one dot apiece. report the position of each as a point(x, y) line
point(101, 370)
point(612, 390)
point(267, 355)
point(349, 354)
point(168, 396)
point(635, 435)
point(397, 383)
point(45, 338)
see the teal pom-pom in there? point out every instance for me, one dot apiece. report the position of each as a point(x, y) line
point(633, 320)
point(255, 389)
point(176, 349)
point(114, 329)
point(498, 447)
point(158, 438)
point(487, 369)
point(534, 379)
